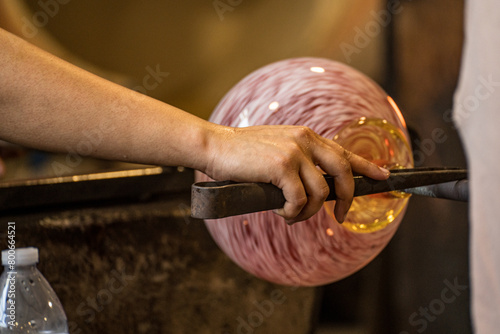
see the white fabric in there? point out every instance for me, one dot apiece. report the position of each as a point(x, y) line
point(477, 115)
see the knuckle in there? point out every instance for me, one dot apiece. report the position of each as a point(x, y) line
point(303, 132)
point(347, 154)
point(324, 191)
point(283, 162)
point(289, 157)
point(300, 201)
point(321, 190)
point(345, 167)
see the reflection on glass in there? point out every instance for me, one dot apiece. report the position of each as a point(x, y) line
point(273, 106)
point(317, 69)
point(384, 144)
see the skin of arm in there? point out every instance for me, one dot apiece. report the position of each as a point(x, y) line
point(49, 104)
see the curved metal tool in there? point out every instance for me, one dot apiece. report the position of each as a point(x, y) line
point(210, 200)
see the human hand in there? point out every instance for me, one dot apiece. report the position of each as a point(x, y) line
point(289, 157)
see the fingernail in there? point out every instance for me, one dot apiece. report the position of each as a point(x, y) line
point(385, 171)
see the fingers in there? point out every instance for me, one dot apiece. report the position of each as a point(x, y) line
point(340, 165)
point(306, 190)
point(365, 167)
point(289, 159)
point(358, 164)
point(316, 190)
point(295, 196)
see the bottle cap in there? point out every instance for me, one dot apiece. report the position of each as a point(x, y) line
point(23, 256)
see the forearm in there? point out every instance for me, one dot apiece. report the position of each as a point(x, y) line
point(51, 105)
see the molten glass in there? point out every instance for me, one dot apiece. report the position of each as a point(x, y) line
point(340, 103)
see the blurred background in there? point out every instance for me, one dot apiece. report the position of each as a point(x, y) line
point(190, 53)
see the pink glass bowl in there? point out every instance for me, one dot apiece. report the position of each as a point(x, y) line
point(339, 103)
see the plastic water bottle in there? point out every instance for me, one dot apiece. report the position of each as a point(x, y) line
point(28, 303)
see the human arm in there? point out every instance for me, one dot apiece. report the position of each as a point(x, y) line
point(48, 104)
